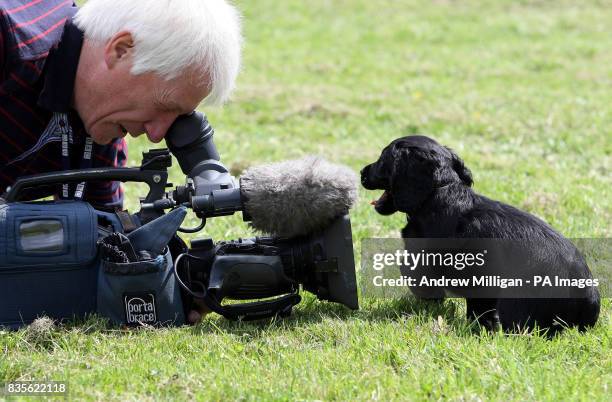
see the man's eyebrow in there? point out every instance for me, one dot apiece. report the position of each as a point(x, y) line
point(171, 106)
point(163, 101)
point(175, 106)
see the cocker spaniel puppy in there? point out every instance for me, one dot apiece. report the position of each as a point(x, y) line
point(432, 186)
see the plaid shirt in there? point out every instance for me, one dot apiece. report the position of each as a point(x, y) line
point(39, 55)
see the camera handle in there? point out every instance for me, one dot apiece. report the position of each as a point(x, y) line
point(156, 179)
point(153, 172)
point(280, 306)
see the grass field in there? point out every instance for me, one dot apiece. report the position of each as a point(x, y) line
point(520, 89)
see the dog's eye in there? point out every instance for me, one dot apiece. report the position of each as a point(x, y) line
point(389, 165)
point(384, 170)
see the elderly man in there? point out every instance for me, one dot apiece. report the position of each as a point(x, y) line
point(74, 82)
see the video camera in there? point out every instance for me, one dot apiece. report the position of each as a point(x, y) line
point(65, 259)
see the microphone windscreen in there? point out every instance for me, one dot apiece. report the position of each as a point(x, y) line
point(297, 197)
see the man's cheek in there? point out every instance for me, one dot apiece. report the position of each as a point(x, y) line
point(99, 135)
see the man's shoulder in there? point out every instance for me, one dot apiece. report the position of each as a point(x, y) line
point(31, 28)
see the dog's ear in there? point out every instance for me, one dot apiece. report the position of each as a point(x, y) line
point(412, 178)
point(463, 172)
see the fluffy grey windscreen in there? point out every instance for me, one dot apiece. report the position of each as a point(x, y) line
point(297, 197)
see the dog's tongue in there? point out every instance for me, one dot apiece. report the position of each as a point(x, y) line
point(382, 198)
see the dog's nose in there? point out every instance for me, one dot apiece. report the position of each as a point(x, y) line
point(364, 174)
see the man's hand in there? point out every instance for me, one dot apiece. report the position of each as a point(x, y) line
point(197, 312)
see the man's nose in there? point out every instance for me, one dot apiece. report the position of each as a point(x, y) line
point(156, 129)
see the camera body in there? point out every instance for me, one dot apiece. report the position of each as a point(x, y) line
point(66, 259)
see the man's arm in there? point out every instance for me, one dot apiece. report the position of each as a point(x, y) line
point(3, 36)
point(108, 194)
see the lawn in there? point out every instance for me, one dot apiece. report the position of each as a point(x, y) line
point(520, 89)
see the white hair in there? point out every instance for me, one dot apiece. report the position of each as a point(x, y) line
point(173, 36)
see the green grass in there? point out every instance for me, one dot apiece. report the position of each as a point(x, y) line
point(520, 89)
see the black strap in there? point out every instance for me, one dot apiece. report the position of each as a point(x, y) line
point(86, 161)
point(126, 221)
point(280, 306)
point(255, 310)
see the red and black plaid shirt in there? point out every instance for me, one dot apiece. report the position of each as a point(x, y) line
point(39, 54)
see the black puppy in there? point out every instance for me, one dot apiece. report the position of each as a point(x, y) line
point(430, 183)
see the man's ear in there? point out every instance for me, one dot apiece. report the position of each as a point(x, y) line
point(411, 179)
point(119, 49)
point(463, 172)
